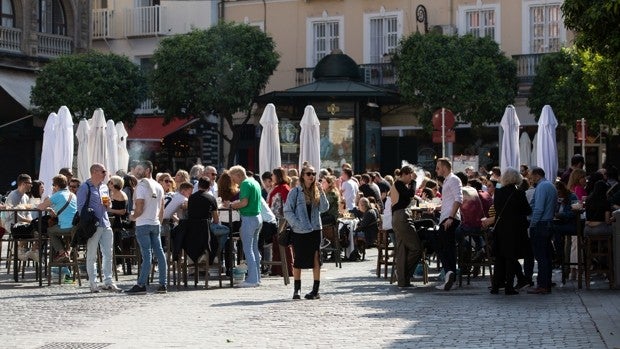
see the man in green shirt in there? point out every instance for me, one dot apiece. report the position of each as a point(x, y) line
point(249, 207)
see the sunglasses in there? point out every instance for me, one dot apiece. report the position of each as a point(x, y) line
point(167, 181)
point(310, 173)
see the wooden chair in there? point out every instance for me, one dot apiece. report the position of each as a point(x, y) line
point(466, 254)
point(72, 263)
point(386, 252)
point(330, 232)
point(599, 247)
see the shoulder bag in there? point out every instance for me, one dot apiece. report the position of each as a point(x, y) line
point(285, 235)
point(85, 222)
point(491, 233)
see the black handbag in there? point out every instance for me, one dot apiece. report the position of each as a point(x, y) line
point(285, 235)
point(22, 231)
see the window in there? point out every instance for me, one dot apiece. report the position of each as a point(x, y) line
point(383, 38)
point(52, 18)
point(382, 31)
point(323, 36)
point(545, 24)
point(480, 21)
point(100, 4)
point(326, 36)
point(7, 16)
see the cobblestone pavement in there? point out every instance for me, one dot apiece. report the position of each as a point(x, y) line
point(357, 309)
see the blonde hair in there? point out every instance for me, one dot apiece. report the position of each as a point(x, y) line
point(237, 170)
point(117, 182)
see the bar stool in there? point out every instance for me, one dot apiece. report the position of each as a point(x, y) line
point(601, 248)
point(385, 255)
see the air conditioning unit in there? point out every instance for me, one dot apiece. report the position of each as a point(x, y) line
point(445, 29)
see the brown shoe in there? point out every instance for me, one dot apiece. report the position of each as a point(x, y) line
point(539, 290)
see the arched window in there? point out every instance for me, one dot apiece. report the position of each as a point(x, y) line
point(7, 15)
point(52, 18)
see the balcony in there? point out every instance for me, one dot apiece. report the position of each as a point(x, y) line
point(378, 74)
point(147, 108)
point(51, 45)
point(526, 66)
point(101, 23)
point(526, 71)
point(10, 39)
point(145, 21)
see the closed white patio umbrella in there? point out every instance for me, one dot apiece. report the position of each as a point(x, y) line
point(533, 158)
point(525, 149)
point(112, 144)
point(546, 149)
point(510, 139)
point(269, 147)
point(83, 155)
point(47, 168)
point(98, 143)
point(123, 154)
point(309, 139)
point(63, 143)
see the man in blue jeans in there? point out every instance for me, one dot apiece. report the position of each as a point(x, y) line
point(148, 214)
point(541, 228)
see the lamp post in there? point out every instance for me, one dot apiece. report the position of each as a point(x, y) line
point(421, 17)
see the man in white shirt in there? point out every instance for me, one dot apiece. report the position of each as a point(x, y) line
point(449, 219)
point(350, 189)
point(175, 207)
point(211, 172)
point(148, 214)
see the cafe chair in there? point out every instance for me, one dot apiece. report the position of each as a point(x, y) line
point(334, 250)
point(72, 263)
point(599, 257)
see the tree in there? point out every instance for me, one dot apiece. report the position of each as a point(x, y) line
point(468, 75)
point(221, 69)
point(87, 81)
point(597, 28)
point(563, 81)
point(597, 25)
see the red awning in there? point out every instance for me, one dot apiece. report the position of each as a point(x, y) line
point(152, 129)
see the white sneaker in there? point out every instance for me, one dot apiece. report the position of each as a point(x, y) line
point(34, 255)
point(447, 285)
point(112, 287)
point(94, 288)
point(22, 255)
point(246, 284)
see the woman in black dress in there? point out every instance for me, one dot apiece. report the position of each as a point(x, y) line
point(511, 239)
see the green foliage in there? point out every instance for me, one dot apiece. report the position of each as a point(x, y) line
point(87, 81)
point(564, 81)
point(597, 24)
point(468, 75)
point(221, 69)
point(597, 27)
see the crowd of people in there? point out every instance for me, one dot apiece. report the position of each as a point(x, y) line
point(530, 216)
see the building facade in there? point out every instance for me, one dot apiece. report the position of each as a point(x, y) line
point(369, 31)
point(32, 32)
point(134, 28)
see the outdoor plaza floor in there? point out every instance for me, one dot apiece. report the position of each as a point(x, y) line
point(356, 309)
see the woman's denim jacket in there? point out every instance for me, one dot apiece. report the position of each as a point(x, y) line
point(296, 213)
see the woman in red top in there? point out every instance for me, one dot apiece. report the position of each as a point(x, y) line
point(276, 199)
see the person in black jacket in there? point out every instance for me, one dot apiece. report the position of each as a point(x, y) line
point(511, 238)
